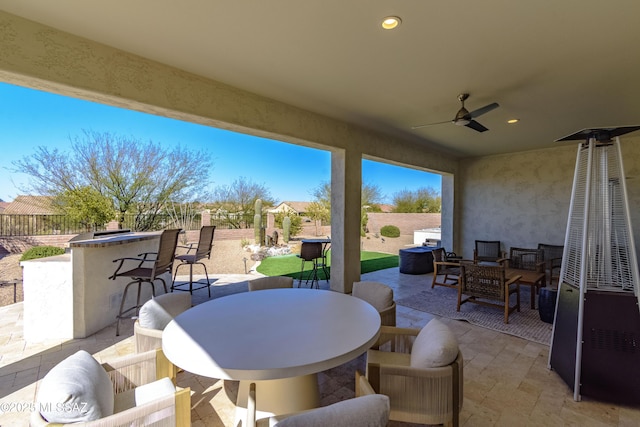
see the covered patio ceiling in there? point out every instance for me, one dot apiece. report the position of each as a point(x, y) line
point(557, 66)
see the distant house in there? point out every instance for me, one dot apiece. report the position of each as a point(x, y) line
point(298, 208)
point(3, 206)
point(30, 205)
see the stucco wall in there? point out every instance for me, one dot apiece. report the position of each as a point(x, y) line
point(523, 199)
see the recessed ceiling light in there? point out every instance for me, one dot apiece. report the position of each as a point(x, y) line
point(512, 121)
point(391, 22)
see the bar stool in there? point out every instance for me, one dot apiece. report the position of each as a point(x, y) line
point(310, 252)
point(158, 265)
point(202, 251)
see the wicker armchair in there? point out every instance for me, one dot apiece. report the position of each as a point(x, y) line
point(155, 315)
point(483, 284)
point(270, 282)
point(445, 264)
point(157, 399)
point(488, 250)
point(368, 409)
point(552, 256)
point(529, 265)
point(380, 296)
point(418, 394)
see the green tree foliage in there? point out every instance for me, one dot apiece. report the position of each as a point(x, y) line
point(426, 199)
point(390, 231)
point(236, 202)
point(371, 198)
point(296, 223)
point(138, 177)
point(86, 205)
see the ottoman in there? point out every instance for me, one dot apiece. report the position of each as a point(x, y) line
point(417, 260)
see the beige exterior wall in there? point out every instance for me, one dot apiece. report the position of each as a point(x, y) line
point(523, 199)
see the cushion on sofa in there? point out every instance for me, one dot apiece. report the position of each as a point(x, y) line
point(365, 411)
point(377, 294)
point(76, 389)
point(434, 346)
point(160, 310)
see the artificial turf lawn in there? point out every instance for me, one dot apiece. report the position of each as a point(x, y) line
point(289, 265)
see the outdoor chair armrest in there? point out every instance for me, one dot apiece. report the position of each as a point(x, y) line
point(189, 246)
point(512, 280)
point(139, 260)
point(399, 340)
point(449, 263)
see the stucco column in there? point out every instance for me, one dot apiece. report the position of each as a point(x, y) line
point(346, 186)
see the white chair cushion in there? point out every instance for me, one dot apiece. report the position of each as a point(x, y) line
point(155, 390)
point(76, 389)
point(434, 346)
point(377, 294)
point(159, 311)
point(365, 411)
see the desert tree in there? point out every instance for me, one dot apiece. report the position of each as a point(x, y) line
point(424, 199)
point(236, 202)
point(138, 177)
point(86, 206)
point(371, 198)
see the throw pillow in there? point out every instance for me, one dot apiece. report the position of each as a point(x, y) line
point(434, 346)
point(365, 411)
point(76, 389)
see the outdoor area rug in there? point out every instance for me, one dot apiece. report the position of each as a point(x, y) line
point(442, 301)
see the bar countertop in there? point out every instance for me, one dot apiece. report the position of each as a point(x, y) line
point(119, 239)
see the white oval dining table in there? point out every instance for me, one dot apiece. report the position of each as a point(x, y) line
point(277, 338)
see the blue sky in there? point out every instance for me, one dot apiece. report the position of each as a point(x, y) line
point(30, 118)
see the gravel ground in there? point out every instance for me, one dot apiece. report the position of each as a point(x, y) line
point(228, 257)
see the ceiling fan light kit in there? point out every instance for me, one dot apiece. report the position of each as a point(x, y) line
point(465, 118)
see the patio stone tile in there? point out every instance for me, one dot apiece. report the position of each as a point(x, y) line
point(507, 381)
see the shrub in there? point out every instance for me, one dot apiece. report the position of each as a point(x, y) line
point(390, 231)
point(41, 252)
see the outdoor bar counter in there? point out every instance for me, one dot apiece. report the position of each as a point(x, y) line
point(71, 296)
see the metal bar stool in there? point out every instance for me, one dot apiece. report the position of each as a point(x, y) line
point(202, 251)
point(162, 263)
point(310, 252)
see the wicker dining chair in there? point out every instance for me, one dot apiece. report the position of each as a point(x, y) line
point(446, 264)
point(270, 282)
point(552, 256)
point(380, 296)
point(488, 285)
point(200, 251)
point(150, 267)
point(421, 370)
point(130, 390)
point(488, 250)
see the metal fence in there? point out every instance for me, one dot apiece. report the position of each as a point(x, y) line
point(46, 225)
point(41, 225)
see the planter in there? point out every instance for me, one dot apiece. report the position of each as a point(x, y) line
point(547, 304)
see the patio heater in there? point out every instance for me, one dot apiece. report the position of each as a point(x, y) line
point(595, 345)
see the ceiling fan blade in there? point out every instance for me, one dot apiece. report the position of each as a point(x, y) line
point(483, 110)
point(476, 126)
point(429, 124)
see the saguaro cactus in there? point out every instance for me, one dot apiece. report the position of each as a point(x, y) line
point(286, 228)
point(257, 222)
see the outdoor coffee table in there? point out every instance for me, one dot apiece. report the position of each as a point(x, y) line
point(277, 338)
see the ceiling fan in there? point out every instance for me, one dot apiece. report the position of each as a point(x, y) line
point(464, 117)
